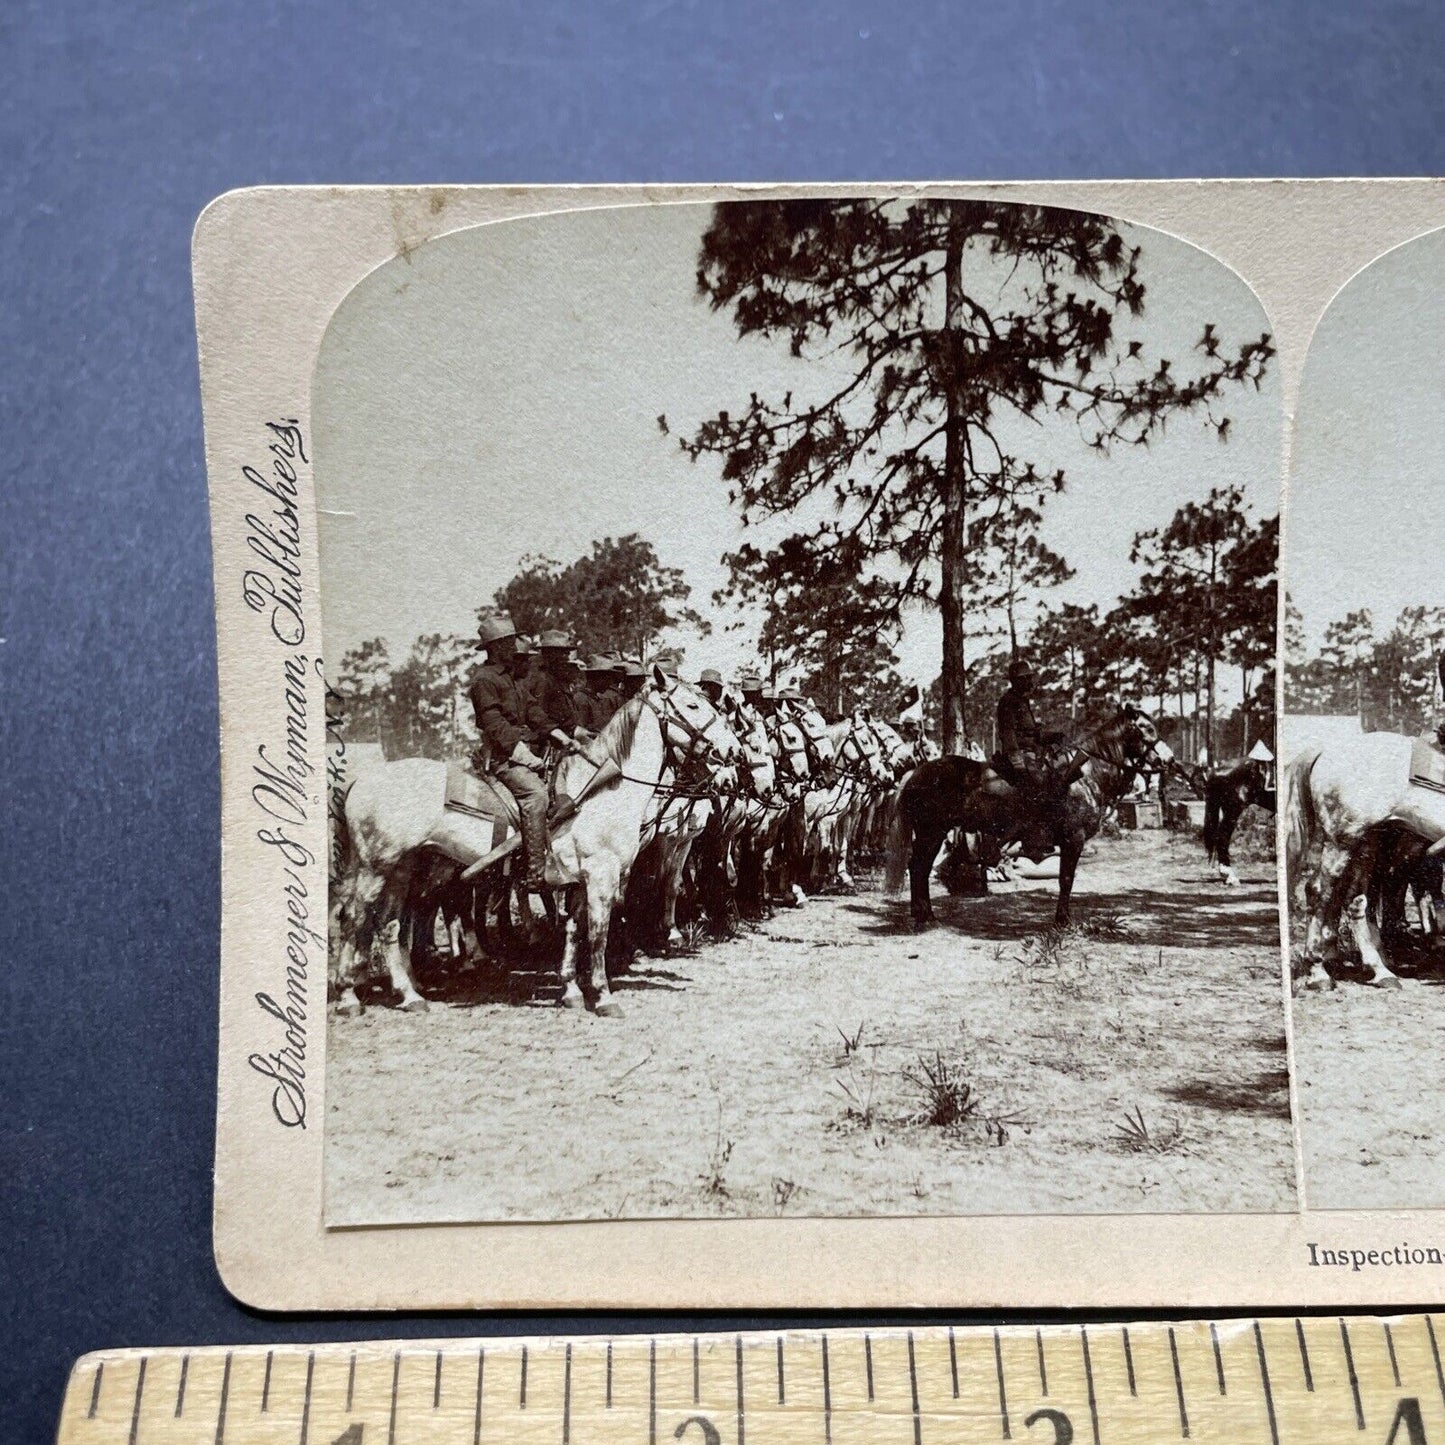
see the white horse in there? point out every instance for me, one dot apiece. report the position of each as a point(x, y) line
point(399, 837)
point(1344, 800)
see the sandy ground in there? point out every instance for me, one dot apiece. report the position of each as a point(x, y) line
point(729, 1086)
point(1371, 1073)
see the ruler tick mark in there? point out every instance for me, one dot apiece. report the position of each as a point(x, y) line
point(306, 1402)
point(522, 1388)
point(1043, 1368)
point(1088, 1380)
point(1390, 1345)
point(351, 1382)
point(868, 1362)
point(436, 1389)
point(953, 1361)
point(140, 1384)
point(477, 1414)
point(1264, 1380)
point(782, 1392)
point(609, 1374)
point(1435, 1353)
point(1178, 1386)
point(395, 1385)
point(696, 1374)
point(1218, 1358)
point(652, 1392)
point(738, 1347)
point(181, 1388)
point(1129, 1364)
point(95, 1391)
point(913, 1389)
point(828, 1395)
point(1354, 1378)
point(266, 1383)
point(1002, 1393)
point(1304, 1355)
point(225, 1397)
point(567, 1398)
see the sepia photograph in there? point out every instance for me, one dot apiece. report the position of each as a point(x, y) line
point(1364, 749)
point(802, 706)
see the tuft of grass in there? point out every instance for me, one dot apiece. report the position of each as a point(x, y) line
point(1133, 1134)
point(714, 1177)
point(859, 1102)
point(852, 1042)
point(1110, 927)
point(783, 1192)
point(948, 1098)
point(694, 935)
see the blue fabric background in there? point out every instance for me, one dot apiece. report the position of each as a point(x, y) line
point(118, 122)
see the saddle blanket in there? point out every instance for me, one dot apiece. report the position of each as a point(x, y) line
point(479, 797)
point(1427, 765)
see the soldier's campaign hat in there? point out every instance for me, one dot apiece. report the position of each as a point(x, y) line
point(750, 682)
point(634, 669)
point(555, 640)
point(1019, 670)
point(766, 689)
point(666, 662)
point(493, 629)
point(710, 674)
point(524, 648)
point(790, 694)
point(616, 663)
point(598, 663)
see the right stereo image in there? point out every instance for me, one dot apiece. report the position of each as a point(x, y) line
point(1362, 738)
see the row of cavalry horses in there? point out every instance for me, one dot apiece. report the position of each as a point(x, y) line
point(692, 810)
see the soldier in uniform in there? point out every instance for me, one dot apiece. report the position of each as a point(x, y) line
point(710, 685)
point(1026, 748)
point(505, 721)
point(633, 677)
point(594, 704)
point(556, 710)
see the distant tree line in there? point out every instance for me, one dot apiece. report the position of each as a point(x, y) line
point(1384, 676)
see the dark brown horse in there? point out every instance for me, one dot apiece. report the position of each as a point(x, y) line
point(1226, 795)
point(966, 793)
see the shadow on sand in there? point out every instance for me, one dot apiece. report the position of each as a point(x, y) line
point(1192, 917)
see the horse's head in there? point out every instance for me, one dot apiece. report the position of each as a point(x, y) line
point(691, 725)
point(1144, 749)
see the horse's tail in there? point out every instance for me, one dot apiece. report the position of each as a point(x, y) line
point(1213, 810)
point(1299, 813)
point(900, 841)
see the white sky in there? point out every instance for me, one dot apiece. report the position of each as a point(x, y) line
point(494, 394)
point(1369, 454)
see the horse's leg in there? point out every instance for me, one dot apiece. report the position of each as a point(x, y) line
point(1228, 821)
point(1361, 916)
point(1071, 848)
point(927, 840)
point(348, 1005)
point(603, 885)
point(1318, 895)
point(575, 901)
point(398, 967)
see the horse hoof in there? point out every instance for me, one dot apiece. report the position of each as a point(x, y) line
point(1387, 980)
point(349, 1008)
point(609, 1009)
point(572, 998)
point(921, 925)
point(414, 1006)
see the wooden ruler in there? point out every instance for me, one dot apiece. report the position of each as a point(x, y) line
point(1276, 1381)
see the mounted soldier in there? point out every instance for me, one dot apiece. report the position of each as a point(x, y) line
point(556, 719)
point(595, 700)
point(506, 722)
point(1025, 750)
point(710, 685)
point(634, 675)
